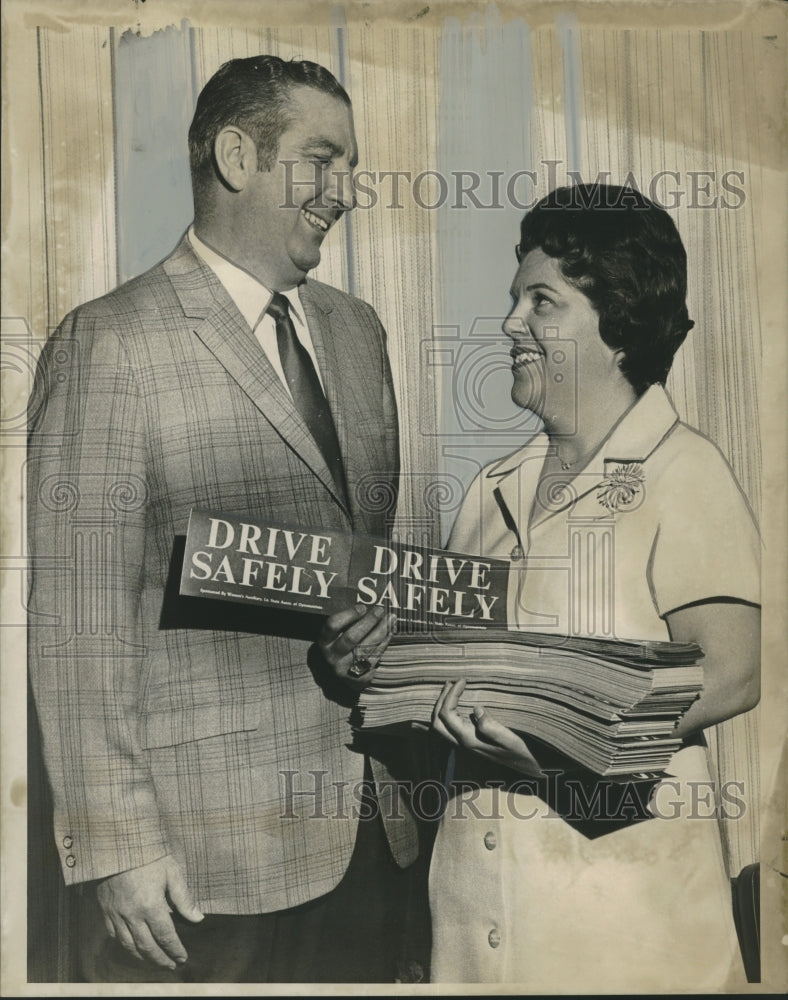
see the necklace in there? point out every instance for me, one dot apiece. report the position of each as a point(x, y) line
point(566, 466)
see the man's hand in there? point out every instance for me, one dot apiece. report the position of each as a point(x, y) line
point(353, 641)
point(137, 905)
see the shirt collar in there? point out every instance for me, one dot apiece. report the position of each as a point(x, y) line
point(633, 438)
point(250, 295)
point(641, 428)
point(538, 444)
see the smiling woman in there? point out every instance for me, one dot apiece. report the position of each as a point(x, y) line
point(553, 321)
point(592, 513)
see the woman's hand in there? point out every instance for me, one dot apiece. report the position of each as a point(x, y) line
point(481, 733)
point(353, 641)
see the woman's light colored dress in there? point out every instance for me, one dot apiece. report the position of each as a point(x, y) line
point(655, 521)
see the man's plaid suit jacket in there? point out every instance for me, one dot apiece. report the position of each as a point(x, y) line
point(169, 725)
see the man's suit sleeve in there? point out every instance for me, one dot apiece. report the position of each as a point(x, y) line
point(395, 764)
point(87, 501)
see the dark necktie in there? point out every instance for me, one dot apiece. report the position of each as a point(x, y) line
point(306, 390)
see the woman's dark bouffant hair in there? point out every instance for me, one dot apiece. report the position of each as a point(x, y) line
point(625, 255)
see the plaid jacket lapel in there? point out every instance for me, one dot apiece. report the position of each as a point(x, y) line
point(217, 322)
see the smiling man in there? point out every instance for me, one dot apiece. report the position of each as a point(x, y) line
point(198, 754)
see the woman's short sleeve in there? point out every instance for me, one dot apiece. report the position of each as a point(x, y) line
point(707, 545)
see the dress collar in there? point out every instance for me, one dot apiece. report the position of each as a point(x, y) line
point(639, 431)
point(631, 441)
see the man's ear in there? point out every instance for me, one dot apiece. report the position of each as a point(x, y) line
point(236, 157)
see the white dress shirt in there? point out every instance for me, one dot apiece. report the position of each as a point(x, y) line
point(253, 299)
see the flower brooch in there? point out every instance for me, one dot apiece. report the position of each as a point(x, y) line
point(622, 485)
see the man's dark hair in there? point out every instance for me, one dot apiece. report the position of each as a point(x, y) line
point(625, 255)
point(254, 95)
